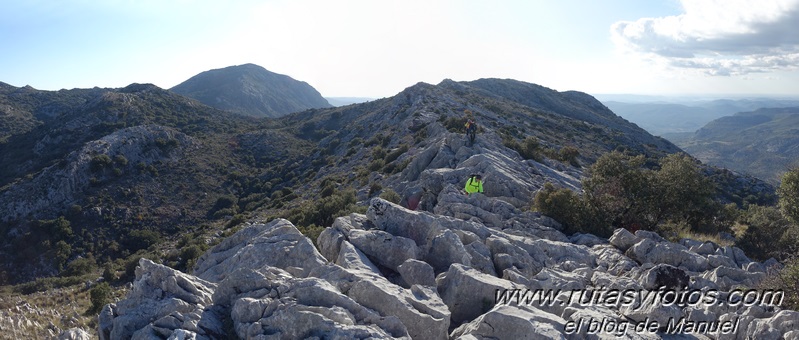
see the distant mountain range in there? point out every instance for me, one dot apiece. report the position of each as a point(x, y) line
point(763, 143)
point(669, 118)
point(341, 101)
point(251, 90)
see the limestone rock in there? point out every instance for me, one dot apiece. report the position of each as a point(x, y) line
point(416, 272)
point(623, 239)
point(74, 334)
point(775, 327)
point(421, 310)
point(447, 249)
point(513, 322)
point(664, 275)
point(383, 248)
point(276, 244)
point(650, 250)
point(351, 258)
point(162, 300)
point(469, 293)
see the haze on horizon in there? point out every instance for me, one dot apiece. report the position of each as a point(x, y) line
point(361, 48)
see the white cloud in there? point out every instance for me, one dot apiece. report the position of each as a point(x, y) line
point(718, 37)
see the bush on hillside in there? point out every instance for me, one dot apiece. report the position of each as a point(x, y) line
point(788, 193)
point(390, 195)
point(619, 192)
point(100, 296)
point(765, 226)
point(568, 208)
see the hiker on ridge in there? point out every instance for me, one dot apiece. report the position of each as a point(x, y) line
point(471, 126)
point(474, 184)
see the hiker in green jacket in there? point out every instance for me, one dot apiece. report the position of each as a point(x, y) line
point(474, 184)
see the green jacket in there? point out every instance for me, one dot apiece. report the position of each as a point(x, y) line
point(473, 186)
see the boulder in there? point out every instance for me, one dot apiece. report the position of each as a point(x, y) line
point(734, 253)
point(469, 293)
point(666, 276)
point(275, 244)
point(480, 257)
point(648, 307)
point(421, 309)
point(353, 259)
point(74, 334)
point(383, 248)
point(728, 277)
point(704, 248)
point(272, 297)
point(416, 272)
point(162, 301)
point(421, 227)
point(553, 278)
point(587, 240)
point(563, 253)
point(623, 239)
point(608, 258)
point(508, 255)
point(329, 243)
point(512, 322)
point(650, 250)
point(446, 249)
point(774, 327)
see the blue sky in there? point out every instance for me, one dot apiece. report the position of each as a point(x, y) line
point(371, 48)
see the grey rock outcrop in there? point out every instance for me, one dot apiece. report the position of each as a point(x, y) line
point(277, 244)
point(57, 186)
point(74, 334)
point(268, 280)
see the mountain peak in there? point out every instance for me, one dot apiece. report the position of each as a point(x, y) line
point(251, 90)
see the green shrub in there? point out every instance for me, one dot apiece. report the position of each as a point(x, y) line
point(390, 195)
point(455, 124)
point(393, 155)
point(327, 190)
point(569, 154)
point(100, 296)
point(141, 239)
point(120, 160)
point(376, 165)
point(785, 280)
point(528, 149)
point(765, 228)
point(788, 193)
point(80, 266)
point(374, 189)
point(109, 272)
point(99, 162)
point(569, 209)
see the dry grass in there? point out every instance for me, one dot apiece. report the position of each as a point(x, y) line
point(715, 238)
point(43, 315)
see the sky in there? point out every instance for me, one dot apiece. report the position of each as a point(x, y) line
point(377, 48)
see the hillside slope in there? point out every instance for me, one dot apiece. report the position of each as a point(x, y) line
point(763, 143)
point(143, 172)
point(251, 90)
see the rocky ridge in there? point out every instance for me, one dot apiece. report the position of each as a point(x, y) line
point(435, 272)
